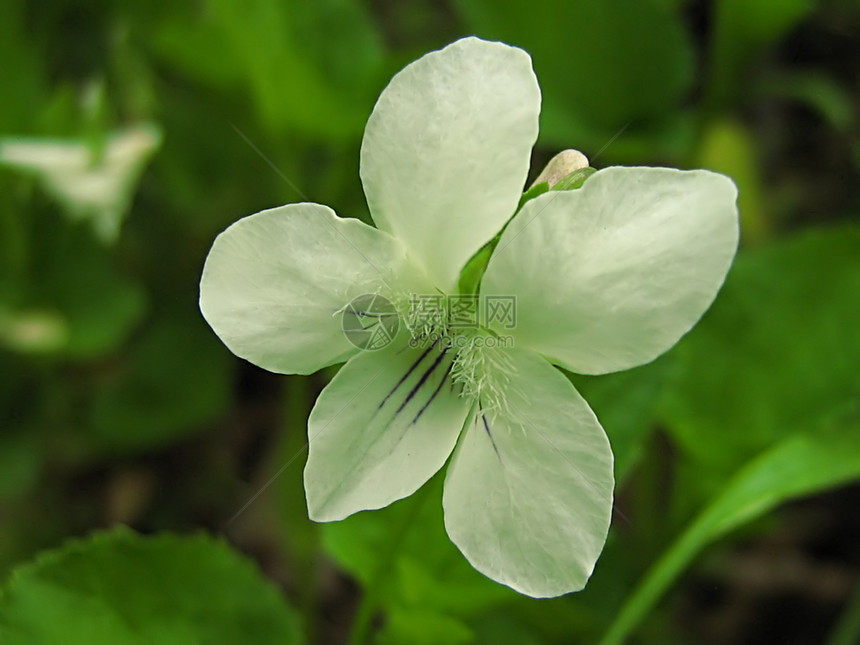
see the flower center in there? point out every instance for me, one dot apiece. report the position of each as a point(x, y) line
point(481, 366)
point(483, 370)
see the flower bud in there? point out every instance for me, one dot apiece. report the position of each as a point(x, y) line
point(563, 164)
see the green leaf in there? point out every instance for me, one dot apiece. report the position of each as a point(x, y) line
point(626, 404)
point(119, 587)
point(22, 84)
point(470, 277)
point(173, 379)
point(502, 627)
point(729, 148)
point(531, 193)
point(404, 552)
point(818, 91)
point(420, 627)
point(78, 279)
point(798, 466)
point(598, 63)
point(309, 65)
point(575, 179)
point(743, 28)
point(776, 354)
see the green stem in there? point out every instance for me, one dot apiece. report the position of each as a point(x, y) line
point(362, 626)
point(655, 583)
point(847, 630)
point(300, 534)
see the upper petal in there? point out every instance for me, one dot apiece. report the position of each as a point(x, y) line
point(611, 275)
point(275, 283)
point(528, 494)
point(383, 426)
point(446, 151)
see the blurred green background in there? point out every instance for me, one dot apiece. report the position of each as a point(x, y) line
point(131, 133)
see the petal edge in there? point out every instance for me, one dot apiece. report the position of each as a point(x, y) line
point(274, 282)
point(528, 494)
point(446, 151)
point(611, 275)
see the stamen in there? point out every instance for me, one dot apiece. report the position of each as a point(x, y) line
point(484, 373)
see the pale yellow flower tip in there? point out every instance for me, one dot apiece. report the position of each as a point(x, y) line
point(560, 166)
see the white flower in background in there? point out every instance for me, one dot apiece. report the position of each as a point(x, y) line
point(87, 185)
point(606, 277)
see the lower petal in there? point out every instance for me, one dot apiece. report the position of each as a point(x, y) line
point(528, 495)
point(383, 426)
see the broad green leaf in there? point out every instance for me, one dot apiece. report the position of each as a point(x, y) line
point(798, 466)
point(119, 587)
point(420, 627)
point(729, 148)
point(762, 21)
point(847, 629)
point(598, 63)
point(184, 34)
point(404, 554)
point(78, 279)
point(173, 379)
point(22, 84)
point(501, 628)
point(743, 28)
point(776, 354)
point(820, 92)
point(625, 403)
point(308, 65)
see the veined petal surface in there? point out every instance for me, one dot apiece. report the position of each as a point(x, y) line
point(528, 494)
point(384, 425)
point(611, 275)
point(274, 284)
point(446, 151)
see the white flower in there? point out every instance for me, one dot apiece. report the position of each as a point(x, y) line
point(99, 189)
point(605, 277)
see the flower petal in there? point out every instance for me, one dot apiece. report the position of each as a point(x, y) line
point(611, 275)
point(528, 494)
point(89, 187)
point(383, 426)
point(274, 284)
point(446, 151)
